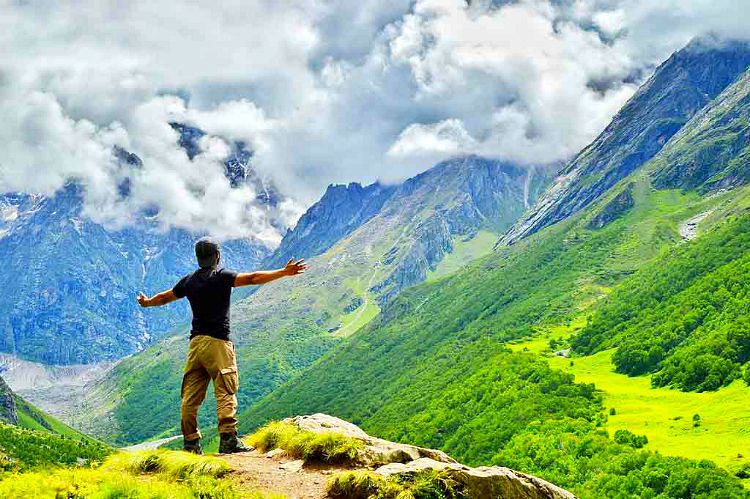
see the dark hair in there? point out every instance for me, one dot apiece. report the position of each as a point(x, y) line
point(207, 252)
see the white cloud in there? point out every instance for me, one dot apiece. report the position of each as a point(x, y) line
point(444, 138)
point(331, 91)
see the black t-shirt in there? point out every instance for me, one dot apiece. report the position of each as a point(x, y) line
point(208, 291)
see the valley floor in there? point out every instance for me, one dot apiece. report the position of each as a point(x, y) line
point(664, 415)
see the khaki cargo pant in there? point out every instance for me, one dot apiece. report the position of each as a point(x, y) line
point(209, 359)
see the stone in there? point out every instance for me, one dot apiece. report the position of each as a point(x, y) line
point(273, 453)
point(293, 466)
point(486, 482)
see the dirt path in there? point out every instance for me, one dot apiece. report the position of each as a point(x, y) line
point(153, 444)
point(279, 474)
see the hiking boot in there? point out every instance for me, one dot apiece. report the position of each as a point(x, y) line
point(229, 444)
point(193, 446)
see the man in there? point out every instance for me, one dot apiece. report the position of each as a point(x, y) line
point(211, 353)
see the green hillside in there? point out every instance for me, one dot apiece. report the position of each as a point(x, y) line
point(433, 369)
point(285, 326)
point(685, 316)
point(31, 418)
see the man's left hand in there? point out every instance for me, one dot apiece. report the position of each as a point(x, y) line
point(142, 300)
point(295, 268)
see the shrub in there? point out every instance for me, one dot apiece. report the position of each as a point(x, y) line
point(427, 484)
point(626, 437)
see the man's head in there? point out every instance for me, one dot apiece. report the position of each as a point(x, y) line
point(208, 252)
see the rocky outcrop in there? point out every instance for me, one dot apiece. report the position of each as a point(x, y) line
point(678, 89)
point(484, 481)
point(617, 207)
point(376, 451)
point(390, 458)
point(8, 412)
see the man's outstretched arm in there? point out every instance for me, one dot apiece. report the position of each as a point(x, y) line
point(266, 276)
point(157, 300)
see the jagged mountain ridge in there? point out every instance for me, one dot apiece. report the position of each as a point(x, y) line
point(341, 210)
point(679, 88)
point(70, 283)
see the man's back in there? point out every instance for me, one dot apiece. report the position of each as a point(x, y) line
point(211, 354)
point(209, 291)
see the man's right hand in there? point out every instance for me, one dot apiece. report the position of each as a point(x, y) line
point(142, 300)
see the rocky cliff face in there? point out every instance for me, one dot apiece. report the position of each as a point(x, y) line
point(8, 412)
point(341, 210)
point(678, 89)
point(617, 207)
point(712, 151)
point(471, 194)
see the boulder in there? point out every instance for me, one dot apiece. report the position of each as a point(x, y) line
point(376, 451)
point(485, 482)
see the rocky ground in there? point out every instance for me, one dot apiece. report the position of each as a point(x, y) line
point(274, 471)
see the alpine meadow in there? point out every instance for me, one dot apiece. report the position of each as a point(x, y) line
point(430, 249)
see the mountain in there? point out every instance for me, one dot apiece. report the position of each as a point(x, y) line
point(659, 271)
point(684, 316)
point(285, 326)
point(678, 89)
point(70, 283)
point(341, 210)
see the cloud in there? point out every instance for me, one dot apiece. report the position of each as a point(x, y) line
point(322, 92)
point(444, 138)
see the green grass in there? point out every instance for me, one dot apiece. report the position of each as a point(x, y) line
point(142, 475)
point(307, 445)
point(368, 310)
point(31, 418)
point(463, 252)
point(33, 449)
point(168, 464)
point(664, 415)
point(353, 321)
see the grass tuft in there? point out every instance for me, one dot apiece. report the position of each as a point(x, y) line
point(173, 465)
point(427, 484)
point(307, 445)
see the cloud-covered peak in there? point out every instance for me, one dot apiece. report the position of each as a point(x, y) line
point(320, 92)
